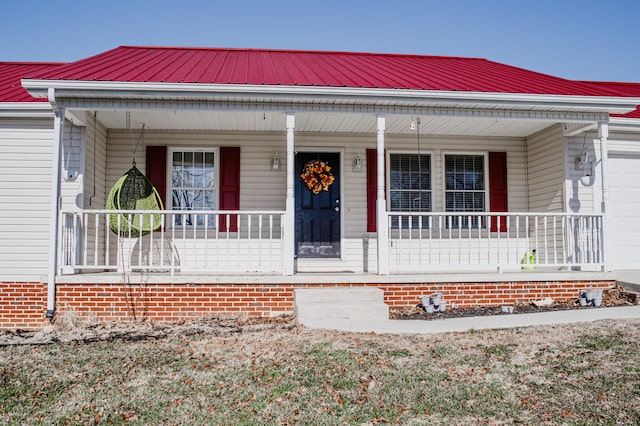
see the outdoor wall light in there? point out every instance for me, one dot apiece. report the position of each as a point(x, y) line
point(357, 164)
point(275, 162)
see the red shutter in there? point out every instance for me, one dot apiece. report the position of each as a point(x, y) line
point(498, 188)
point(156, 170)
point(229, 186)
point(372, 171)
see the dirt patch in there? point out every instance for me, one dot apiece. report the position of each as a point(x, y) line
point(133, 331)
point(611, 298)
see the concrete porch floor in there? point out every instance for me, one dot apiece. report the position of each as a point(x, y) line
point(340, 277)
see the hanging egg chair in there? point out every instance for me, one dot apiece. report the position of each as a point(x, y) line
point(133, 191)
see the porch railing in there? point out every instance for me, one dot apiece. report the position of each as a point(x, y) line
point(194, 241)
point(497, 241)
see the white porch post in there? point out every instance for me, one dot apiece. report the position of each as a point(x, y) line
point(54, 204)
point(603, 134)
point(289, 217)
point(382, 225)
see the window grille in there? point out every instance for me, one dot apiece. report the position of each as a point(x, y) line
point(465, 189)
point(410, 187)
point(193, 186)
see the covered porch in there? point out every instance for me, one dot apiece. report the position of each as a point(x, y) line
point(399, 205)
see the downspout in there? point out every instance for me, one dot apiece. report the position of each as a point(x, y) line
point(54, 205)
point(603, 134)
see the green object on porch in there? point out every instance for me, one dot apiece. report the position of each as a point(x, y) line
point(529, 258)
point(133, 191)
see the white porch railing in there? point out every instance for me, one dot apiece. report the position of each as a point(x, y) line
point(193, 241)
point(471, 242)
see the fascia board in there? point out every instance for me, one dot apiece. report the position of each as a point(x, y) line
point(624, 124)
point(614, 105)
point(25, 109)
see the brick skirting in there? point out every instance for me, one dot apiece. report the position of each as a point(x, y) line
point(23, 305)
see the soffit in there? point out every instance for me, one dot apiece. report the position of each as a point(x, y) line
point(319, 122)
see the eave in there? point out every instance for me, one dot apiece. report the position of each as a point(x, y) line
point(305, 95)
point(629, 125)
point(25, 110)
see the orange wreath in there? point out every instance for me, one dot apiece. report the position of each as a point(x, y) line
point(317, 176)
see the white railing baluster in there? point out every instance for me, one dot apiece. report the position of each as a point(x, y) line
point(85, 237)
point(546, 246)
point(249, 246)
point(469, 228)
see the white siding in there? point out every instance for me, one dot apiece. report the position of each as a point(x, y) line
point(264, 189)
point(584, 187)
point(95, 180)
point(545, 169)
point(25, 190)
point(72, 167)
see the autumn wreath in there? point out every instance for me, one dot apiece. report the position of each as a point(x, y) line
point(317, 176)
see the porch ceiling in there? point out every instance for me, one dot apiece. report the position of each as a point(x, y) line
point(322, 122)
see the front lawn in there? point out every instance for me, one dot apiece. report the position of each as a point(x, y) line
point(278, 373)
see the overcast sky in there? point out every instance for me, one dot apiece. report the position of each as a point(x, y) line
point(575, 39)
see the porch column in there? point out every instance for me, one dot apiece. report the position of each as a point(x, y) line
point(289, 217)
point(603, 134)
point(54, 204)
point(382, 225)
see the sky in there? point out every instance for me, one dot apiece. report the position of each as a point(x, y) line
point(573, 39)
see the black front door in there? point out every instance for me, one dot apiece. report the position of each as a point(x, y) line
point(317, 204)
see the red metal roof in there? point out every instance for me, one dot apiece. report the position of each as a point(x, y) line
point(314, 68)
point(10, 75)
point(624, 89)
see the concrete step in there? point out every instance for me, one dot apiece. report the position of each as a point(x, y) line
point(339, 294)
point(313, 306)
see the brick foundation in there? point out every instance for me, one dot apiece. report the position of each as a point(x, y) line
point(23, 305)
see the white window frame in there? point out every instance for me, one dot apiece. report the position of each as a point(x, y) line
point(485, 155)
point(388, 174)
point(216, 177)
point(388, 179)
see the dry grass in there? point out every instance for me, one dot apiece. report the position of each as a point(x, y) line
point(223, 371)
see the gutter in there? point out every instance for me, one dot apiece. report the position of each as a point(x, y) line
point(110, 89)
point(54, 204)
point(26, 109)
point(624, 124)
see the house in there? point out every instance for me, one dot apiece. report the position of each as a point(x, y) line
point(286, 169)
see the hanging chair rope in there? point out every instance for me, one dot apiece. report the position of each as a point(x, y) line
point(134, 145)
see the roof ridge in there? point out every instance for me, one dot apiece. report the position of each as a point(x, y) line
point(617, 83)
point(329, 52)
